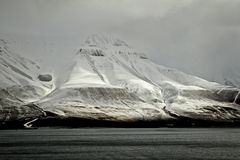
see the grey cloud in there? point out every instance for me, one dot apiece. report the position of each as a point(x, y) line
point(200, 37)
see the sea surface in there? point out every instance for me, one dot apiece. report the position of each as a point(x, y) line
point(121, 143)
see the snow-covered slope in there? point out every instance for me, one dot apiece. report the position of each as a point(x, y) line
point(19, 85)
point(109, 80)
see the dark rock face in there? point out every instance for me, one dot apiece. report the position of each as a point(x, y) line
point(45, 77)
point(13, 109)
point(229, 96)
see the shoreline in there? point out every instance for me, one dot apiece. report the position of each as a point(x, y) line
point(90, 123)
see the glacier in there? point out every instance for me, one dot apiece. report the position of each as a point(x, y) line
point(107, 80)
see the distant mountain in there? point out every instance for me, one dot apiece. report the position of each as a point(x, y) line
point(109, 81)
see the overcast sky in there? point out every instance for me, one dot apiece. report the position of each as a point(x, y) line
point(201, 37)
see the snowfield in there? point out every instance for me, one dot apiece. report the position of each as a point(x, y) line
point(108, 80)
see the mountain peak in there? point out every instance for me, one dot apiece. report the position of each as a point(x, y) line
point(104, 40)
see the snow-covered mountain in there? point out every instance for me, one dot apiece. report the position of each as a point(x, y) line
point(21, 83)
point(108, 80)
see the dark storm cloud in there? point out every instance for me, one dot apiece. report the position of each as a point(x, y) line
point(197, 36)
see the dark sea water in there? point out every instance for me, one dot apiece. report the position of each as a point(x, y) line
point(116, 143)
